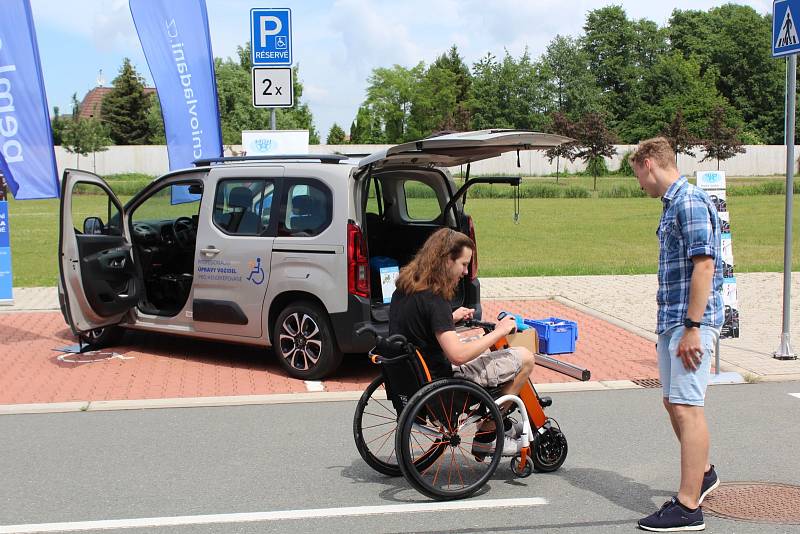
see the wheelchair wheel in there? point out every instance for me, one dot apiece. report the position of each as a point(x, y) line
point(452, 411)
point(549, 449)
point(374, 429)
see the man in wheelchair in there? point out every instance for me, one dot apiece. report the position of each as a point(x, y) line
point(420, 311)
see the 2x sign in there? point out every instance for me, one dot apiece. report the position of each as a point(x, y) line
point(271, 36)
point(272, 87)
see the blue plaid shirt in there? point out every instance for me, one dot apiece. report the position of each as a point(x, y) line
point(689, 227)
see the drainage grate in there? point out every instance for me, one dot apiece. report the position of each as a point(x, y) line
point(760, 502)
point(647, 382)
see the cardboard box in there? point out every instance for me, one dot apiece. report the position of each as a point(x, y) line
point(527, 338)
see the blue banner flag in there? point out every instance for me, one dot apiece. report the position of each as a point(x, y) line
point(175, 39)
point(26, 144)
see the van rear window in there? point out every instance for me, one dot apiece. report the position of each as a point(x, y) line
point(422, 203)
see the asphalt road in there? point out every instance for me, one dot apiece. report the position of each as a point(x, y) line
point(622, 465)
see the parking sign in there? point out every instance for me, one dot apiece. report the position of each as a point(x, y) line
point(271, 36)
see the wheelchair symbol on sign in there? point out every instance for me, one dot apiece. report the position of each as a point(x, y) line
point(257, 273)
point(280, 42)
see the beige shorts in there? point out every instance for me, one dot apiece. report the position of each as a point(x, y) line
point(492, 368)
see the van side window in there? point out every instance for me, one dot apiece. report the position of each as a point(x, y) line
point(97, 215)
point(422, 202)
point(309, 209)
point(243, 207)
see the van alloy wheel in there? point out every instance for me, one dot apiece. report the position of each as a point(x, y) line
point(304, 342)
point(300, 341)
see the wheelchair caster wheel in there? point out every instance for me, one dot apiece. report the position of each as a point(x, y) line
point(523, 472)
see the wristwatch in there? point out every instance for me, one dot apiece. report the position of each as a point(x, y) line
point(688, 323)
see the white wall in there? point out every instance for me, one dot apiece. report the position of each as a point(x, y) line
point(759, 160)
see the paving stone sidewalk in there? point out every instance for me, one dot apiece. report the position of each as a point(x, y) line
point(626, 301)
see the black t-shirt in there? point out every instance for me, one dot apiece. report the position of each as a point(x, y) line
point(419, 317)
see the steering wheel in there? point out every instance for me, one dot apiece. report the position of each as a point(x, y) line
point(183, 228)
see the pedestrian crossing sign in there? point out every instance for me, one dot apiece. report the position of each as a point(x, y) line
point(785, 40)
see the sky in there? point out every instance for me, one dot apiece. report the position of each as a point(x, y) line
point(335, 43)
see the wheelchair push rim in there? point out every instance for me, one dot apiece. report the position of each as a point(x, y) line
point(374, 430)
point(457, 411)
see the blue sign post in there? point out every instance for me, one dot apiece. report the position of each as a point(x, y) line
point(271, 37)
point(785, 42)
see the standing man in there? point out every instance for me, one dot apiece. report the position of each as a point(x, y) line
point(690, 315)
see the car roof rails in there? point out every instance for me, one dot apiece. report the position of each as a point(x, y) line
point(322, 158)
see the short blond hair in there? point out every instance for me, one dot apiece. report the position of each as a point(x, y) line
point(656, 149)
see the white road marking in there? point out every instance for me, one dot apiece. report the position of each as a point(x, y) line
point(280, 515)
point(795, 395)
point(314, 385)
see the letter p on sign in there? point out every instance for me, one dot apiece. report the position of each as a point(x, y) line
point(269, 25)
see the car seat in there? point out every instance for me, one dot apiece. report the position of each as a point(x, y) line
point(308, 214)
point(242, 219)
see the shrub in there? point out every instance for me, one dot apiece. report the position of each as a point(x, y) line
point(575, 191)
point(597, 167)
point(625, 168)
point(623, 191)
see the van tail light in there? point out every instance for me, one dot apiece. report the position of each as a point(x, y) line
point(473, 266)
point(357, 263)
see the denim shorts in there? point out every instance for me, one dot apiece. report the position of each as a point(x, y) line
point(491, 369)
point(681, 385)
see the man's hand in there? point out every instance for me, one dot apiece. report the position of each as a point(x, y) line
point(463, 313)
point(690, 349)
point(507, 324)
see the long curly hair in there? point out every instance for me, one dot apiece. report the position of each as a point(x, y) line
point(428, 270)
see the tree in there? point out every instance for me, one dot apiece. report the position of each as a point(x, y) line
point(508, 94)
point(680, 139)
point(57, 126)
point(366, 128)
point(672, 83)
point(155, 122)
point(722, 141)
point(390, 97)
point(336, 135)
point(560, 124)
point(125, 108)
point(570, 85)
point(620, 50)
point(735, 40)
point(594, 141)
point(84, 136)
point(434, 102)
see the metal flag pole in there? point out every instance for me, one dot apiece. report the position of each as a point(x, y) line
point(785, 350)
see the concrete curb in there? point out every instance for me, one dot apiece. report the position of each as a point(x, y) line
point(245, 400)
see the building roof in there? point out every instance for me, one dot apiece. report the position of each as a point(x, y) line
point(92, 102)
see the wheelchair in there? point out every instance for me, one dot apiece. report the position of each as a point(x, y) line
point(425, 429)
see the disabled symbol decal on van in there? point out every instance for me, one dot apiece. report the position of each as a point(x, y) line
point(256, 272)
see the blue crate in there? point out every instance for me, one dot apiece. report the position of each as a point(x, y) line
point(556, 336)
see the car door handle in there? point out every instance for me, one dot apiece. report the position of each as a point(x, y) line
point(211, 250)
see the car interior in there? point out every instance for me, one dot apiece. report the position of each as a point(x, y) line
point(164, 250)
point(394, 230)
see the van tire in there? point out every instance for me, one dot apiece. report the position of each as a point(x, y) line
point(304, 343)
point(106, 336)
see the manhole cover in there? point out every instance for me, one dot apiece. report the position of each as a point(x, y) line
point(647, 382)
point(755, 501)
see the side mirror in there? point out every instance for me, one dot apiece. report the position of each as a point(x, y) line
point(93, 226)
point(196, 189)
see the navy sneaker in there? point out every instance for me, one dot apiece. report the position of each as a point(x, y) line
point(710, 483)
point(673, 518)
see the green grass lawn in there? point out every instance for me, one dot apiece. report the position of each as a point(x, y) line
point(553, 236)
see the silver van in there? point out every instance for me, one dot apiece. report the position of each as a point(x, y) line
point(281, 251)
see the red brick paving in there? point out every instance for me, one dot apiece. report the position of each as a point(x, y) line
point(162, 366)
